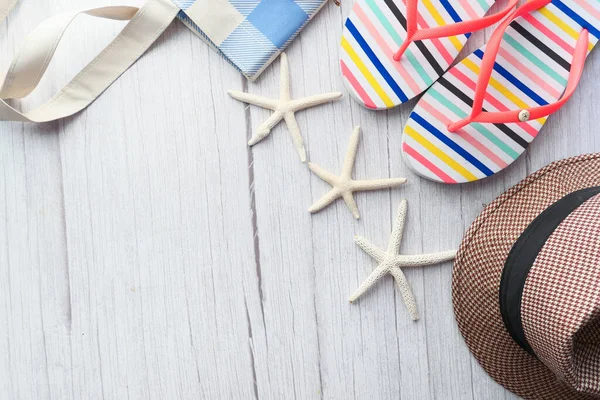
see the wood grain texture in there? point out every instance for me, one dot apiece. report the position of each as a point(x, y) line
point(147, 253)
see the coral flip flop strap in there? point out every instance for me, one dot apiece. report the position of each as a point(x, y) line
point(29, 65)
point(487, 66)
point(413, 33)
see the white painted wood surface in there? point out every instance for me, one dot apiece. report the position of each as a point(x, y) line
point(147, 253)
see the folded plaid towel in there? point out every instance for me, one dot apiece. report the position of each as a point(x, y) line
point(248, 33)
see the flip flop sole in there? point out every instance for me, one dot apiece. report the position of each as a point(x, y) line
point(376, 29)
point(531, 69)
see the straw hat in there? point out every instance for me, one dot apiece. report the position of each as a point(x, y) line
point(526, 284)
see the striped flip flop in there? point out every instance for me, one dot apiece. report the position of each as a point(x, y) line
point(393, 50)
point(483, 113)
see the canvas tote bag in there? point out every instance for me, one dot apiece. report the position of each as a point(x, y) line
point(247, 33)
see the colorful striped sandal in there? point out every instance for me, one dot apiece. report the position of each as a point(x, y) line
point(483, 113)
point(393, 50)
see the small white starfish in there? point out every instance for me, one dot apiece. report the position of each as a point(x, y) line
point(344, 186)
point(392, 261)
point(284, 108)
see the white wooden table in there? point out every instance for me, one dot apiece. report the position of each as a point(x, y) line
point(147, 253)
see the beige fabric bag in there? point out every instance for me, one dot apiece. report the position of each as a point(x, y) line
point(249, 34)
point(145, 25)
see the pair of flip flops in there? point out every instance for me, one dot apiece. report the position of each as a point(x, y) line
point(478, 116)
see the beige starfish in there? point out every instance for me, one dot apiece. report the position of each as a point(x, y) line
point(392, 261)
point(284, 108)
point(344, 186)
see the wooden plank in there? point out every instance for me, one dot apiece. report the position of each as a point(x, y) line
point(35, 309)
point(34, 276)
point(359, 352)
point(288, 364)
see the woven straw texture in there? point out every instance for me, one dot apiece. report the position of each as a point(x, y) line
point(478, 268)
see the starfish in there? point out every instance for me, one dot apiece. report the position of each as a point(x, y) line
point(283, 108)
point(392, 261)
point(344, 186)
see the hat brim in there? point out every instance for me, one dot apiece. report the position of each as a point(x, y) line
point(478, 268)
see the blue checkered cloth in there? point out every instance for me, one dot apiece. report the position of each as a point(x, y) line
point(248, 33)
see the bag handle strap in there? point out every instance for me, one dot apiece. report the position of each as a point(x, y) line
point(29, 65)
point(5, 7)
